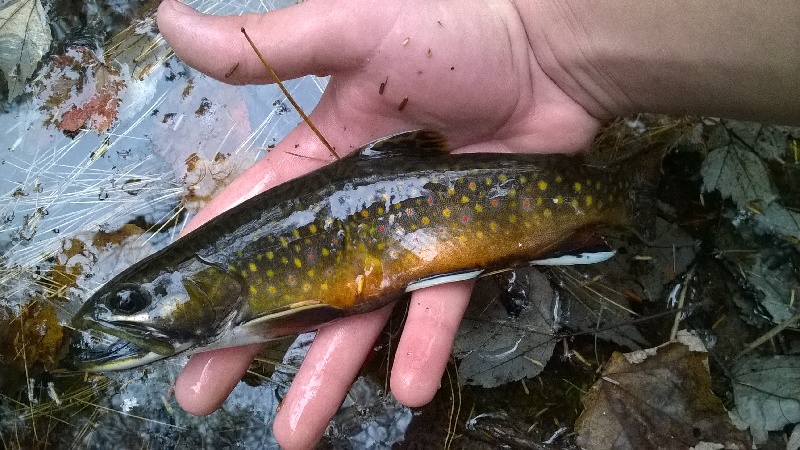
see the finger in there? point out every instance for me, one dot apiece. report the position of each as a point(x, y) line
point(311, 37)
point(424, 348)
point(318, 389)
point(209, 377)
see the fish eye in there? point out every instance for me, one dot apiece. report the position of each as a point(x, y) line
point(128, 300)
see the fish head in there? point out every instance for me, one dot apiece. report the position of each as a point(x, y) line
point(149, 313)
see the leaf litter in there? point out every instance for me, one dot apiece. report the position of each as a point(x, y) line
point(24, 39)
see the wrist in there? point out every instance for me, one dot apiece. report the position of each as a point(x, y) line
point(734, 59)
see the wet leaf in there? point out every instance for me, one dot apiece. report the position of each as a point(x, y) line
point(739, 174)
point(766, 266)
point(737, 169)
point(777, 219)
point(767, 393)
point(657, 398)
point(495, 348)
point(24, 40)
point(80, 90)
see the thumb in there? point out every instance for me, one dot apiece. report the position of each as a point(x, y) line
point(313, 37)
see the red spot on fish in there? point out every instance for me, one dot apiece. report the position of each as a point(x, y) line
point(382, 229)
point(410, 211)
point(494, 202)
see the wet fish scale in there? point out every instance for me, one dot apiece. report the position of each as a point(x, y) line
point(352, 236)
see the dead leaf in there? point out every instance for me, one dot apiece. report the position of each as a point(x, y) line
point(80, 90)
point(662, 400)
point(737, 173)
point(24, 40)
point(767, 393)
point(495, 347)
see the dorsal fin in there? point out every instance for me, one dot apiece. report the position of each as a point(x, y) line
point(416, 143)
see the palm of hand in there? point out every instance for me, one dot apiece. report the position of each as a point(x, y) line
point(467, 70)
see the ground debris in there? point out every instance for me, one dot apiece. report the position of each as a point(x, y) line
point(653, 399)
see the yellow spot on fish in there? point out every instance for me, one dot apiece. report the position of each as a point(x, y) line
point(512, 192)
point(574, 203)
point(272, 289)
point(381, 210)
point(559, 179)
point(512, 218)
point(523, 179)
point(253, 290)
point(479, 234)
point(239, 253)
point(284, 260)
point(270, 255)
point(284, 242)
point(547, 212)
point(577, 186)
point(426, 220)
point(493, 226)
point(312, 228)
point(451, 190)
point(232, 268)
point(542, 185)
point(558, 200)
point(446, 212)
point(488, 181)
point(502, 178)
point(364, 213)
point(464, 199)
point(588, 200)
point(296, 233)
point(325, 252)
point(478, 207)
point(244, 273)
point(252, 267)
point(311, 273)
point(270, 273)
point(259, 257)
point(306, 287)
point(462, 239)
point(539, 201)
point(472, 186)
point(324, 286)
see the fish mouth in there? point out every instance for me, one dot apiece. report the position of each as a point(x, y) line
point(99, 348)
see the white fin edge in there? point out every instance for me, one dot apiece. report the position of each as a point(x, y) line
point(442, 279)
point(575, 259)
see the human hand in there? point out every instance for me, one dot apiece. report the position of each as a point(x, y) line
point(468, 71)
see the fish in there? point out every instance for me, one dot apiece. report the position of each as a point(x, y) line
point(399, 214)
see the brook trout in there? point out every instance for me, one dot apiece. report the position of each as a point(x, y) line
point(399, 214)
